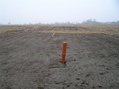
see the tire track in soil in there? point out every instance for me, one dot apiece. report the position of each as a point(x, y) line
point(50, 44)
point(49, 59)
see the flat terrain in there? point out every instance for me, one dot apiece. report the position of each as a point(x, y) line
point(30, 57)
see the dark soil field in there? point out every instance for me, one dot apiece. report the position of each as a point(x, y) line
point(30, 57)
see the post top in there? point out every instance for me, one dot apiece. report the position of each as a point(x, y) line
point(65, 42)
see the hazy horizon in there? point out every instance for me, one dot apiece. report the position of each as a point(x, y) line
point(50, 11)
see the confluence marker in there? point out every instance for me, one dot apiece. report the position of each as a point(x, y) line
point(64, 52)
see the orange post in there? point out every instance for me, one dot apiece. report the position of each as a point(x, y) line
point(63, 52)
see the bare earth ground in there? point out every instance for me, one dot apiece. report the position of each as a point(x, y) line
point(30, 55)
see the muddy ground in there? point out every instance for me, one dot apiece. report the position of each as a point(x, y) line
point(30, 57)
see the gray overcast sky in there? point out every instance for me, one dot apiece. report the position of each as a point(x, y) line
point(49, 11)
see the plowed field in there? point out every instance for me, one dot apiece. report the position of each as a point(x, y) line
point(30, 57)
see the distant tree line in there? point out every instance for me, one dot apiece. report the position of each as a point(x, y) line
point(89, 21)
